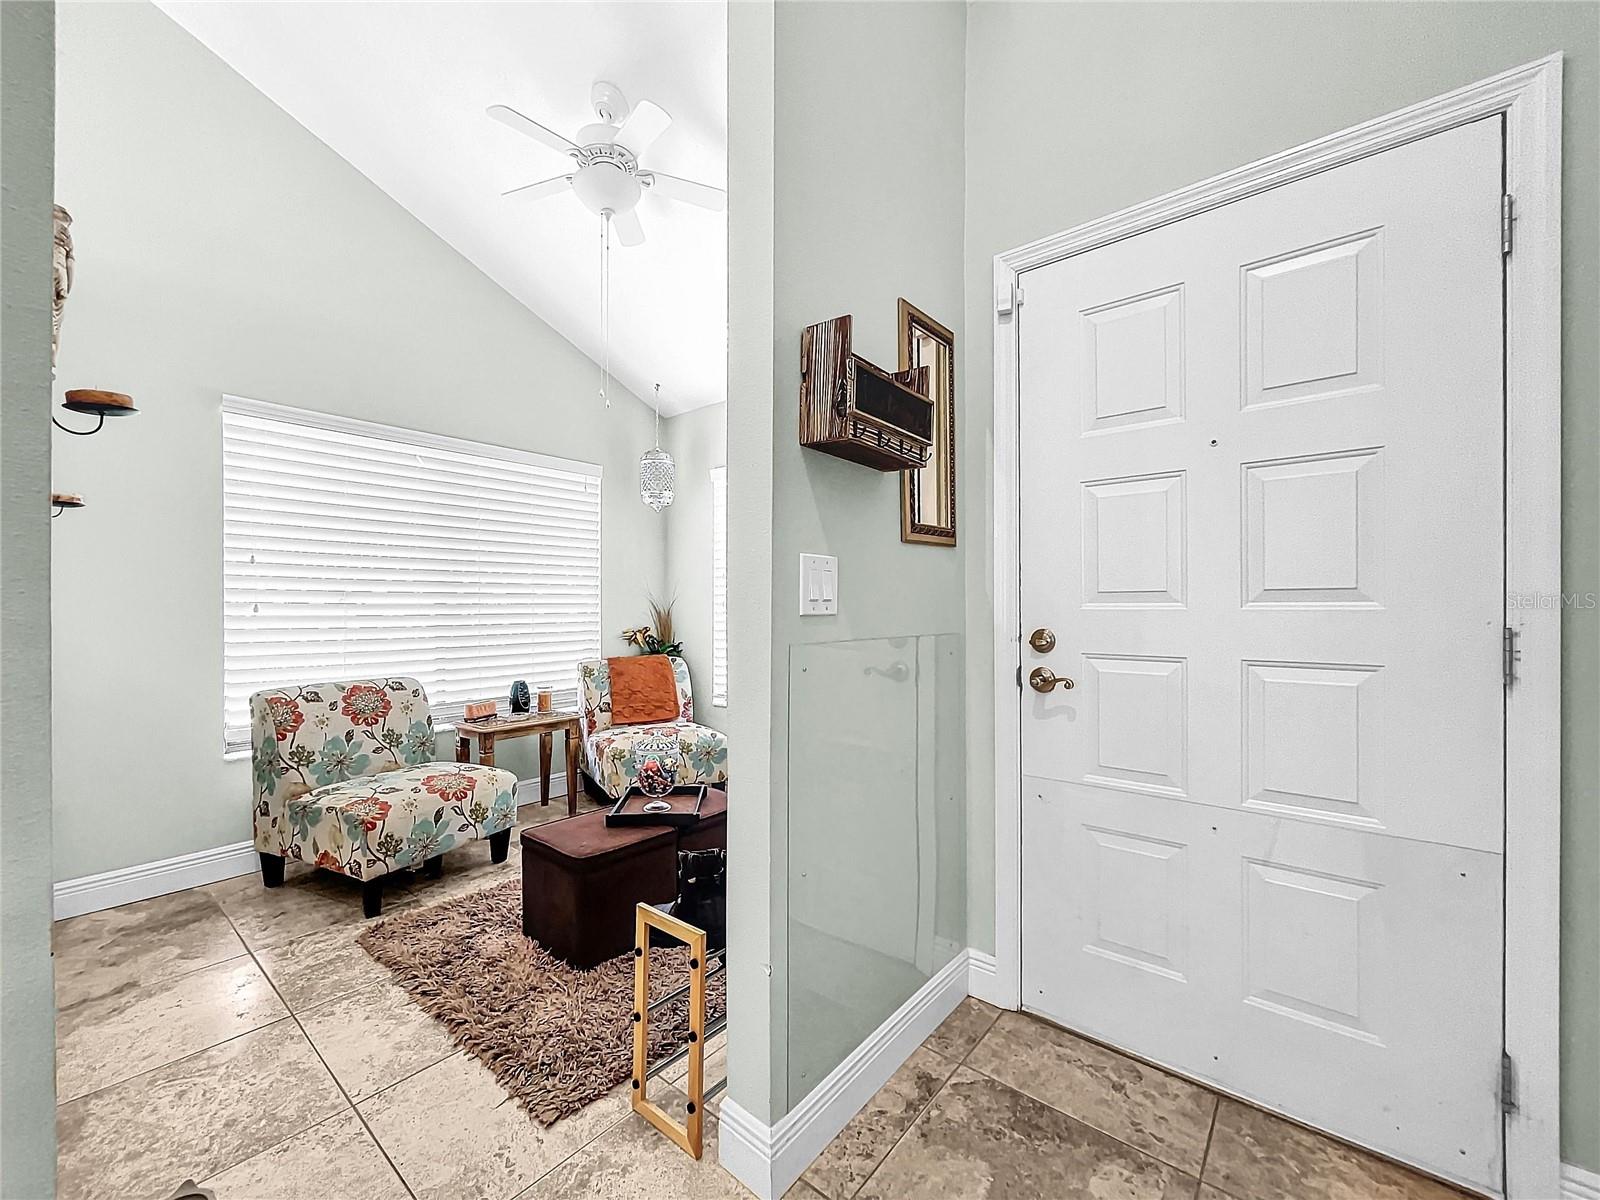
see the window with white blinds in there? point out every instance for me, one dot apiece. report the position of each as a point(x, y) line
point(352, 549)
point(719, 586)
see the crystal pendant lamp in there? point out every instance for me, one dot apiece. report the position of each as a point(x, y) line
point(656, 471)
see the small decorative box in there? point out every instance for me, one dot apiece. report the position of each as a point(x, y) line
point(480, 709)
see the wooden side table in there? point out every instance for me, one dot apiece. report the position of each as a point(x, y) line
point(490, 729)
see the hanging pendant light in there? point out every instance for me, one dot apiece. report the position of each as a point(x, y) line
point(657, 474)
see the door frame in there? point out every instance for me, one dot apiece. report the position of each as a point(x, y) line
point(1530, 98)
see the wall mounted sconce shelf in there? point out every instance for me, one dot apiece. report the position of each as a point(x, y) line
point(857, 411)
point(96, 403)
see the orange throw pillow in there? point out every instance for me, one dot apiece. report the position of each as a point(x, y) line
point(643, 690)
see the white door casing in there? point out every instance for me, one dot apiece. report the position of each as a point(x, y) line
point(1529, 97)
point(1262, 463)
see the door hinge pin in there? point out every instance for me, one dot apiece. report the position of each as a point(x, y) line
point(1511, 654)
point(1506, 219)
point(1508, 1084)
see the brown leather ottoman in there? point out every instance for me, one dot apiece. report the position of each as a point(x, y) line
point(581, 878)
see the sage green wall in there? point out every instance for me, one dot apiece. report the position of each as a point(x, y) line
point(224, 248)
point(755, 891)
point(27, 1009)
point(1076, 110)
point(867, 208)
point(844, 166)
point(698, 441)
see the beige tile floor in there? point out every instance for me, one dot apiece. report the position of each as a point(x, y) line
point(241, 1037)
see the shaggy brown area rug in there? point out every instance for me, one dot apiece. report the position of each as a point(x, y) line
point(557, 1038)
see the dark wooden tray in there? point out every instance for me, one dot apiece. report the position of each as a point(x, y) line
point(685, 799)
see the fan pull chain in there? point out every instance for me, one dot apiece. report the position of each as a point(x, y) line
point(658, 416)
point(605, 307)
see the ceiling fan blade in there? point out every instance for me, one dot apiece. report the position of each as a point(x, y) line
point(644, 125)
point(511, 118)
point(687, 190)
point(538, 191)
point(629, 231)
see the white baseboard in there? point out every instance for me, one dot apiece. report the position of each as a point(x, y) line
point(983, 981)
point(744, 1149)
point(91, 893)
point(528, 789)
point(768, 1159)
point(109, 889)
point(1578, 1183)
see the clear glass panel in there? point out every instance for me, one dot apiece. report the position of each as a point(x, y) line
point(877, 837)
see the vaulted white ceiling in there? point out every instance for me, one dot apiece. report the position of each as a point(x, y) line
point(399, 91)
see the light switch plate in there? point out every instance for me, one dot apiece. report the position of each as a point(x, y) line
point(819, 585)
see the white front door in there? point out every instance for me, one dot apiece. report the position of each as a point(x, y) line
point(1262, 459)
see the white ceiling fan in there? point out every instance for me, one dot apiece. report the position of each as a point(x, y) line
point(608, 179)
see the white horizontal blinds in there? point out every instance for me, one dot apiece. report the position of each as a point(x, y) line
point(352, 549)
point(719, 585)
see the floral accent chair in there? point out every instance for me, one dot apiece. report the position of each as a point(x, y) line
point(693, 753)
point(345, 779)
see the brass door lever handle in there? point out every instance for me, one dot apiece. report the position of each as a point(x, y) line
point(1043, 679)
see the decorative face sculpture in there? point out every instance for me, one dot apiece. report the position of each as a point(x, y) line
point(63, 277)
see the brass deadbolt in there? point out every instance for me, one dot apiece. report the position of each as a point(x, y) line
point(1042, 640)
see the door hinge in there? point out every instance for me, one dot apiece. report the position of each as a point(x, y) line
point(1506, 219)
point(1508, 1084)
point(1007, 299)
point(1511, 654)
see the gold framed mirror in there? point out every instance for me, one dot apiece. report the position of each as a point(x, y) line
point(928, 494)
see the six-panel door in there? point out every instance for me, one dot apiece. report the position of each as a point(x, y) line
point(1262, 513)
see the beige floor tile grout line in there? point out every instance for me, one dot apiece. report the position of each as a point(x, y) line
point(506, 1098)
point(1205, 1157)
point(162, 981)
point(409, 1075)
point(291, 1013)
point(1089, 1124)
point(359, 1115)
point(288, 1015)
point(175, 978)
point(563, 1162)
point(355, 1107)
point(956, 1065)
point(253, 952)
point(152, 984)
point(233, 1037)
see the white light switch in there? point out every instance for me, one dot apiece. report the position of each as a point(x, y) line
point(819, 585)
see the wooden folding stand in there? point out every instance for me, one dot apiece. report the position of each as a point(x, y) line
point(688, 1136)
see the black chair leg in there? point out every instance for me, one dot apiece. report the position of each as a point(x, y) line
point(272, 870)
point(372, 897)
point(434, 867)
point(499, 845)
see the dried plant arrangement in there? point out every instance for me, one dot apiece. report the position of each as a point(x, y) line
point(655, 638)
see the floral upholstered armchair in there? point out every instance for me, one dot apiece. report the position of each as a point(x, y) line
point(697, 754)
point(345, 779)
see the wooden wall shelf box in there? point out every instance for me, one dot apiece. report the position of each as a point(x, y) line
point(854, 410)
